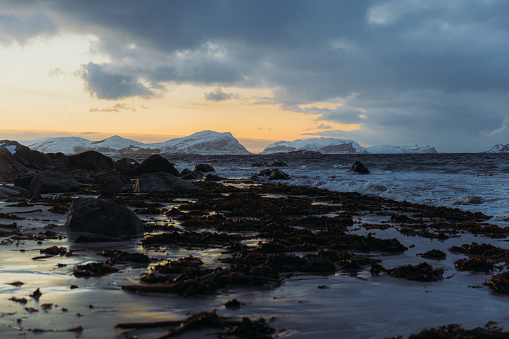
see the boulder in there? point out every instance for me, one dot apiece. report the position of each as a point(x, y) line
point(264, 173)
point(50, 181)
point(163, 182)
point(278, 175)
point(279, 164)
point(203, 168)
point(186, 174)
point(358, 167)
point(114, 179)
point(25, 156)
point(213, 177)
point(127, 166)
point(11, 191)
point(104, 217)
point(91, 161)
point(9, 166)
point(23, 181)
point(155, 164)
point(85, 176)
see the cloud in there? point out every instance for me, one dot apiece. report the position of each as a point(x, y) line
point(56, 72)
point(219, 95)
point(105, 85)
point(420, 69)
point(115, 108)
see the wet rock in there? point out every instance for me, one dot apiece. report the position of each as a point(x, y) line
point(23, 181)
point(278, 175)
point(91, 160)
point(213, 177)
point(186, 174)
point(264, 173)
point(50, 181)
point(358, 167)
point(163, 182)
point(156, 163)
point(421, 272)
point(93, 270)
point(114, 179)
point(434, 255)
point(474, 265)
point(203, 168)
point(499, 283)
point(103, 217)
point(10, 168)
point(279, 164)
point(11, 191)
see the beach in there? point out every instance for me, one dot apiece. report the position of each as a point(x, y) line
point(309, 262)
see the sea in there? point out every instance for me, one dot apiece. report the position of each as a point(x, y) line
point(477, 182)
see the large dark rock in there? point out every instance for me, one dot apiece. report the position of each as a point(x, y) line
point(213, 177)
point(25, 156)
point(104, 217)
point(186, 174)
point(10, 168)
point(358, 167)
point(11, 191)
point(51, 181)
point(163, 182)
point(114, 179)
point(91, 161)
point(155, 164)
point(278, 175)
point(24, 181)
point(203, 168)
point(127, 166)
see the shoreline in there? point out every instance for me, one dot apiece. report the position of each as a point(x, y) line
point(275, 221)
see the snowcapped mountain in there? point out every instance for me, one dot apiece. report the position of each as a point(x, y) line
point(322, 145)
point(499, 148)
point(410, 148)
point(66, 145)
point(205, 142)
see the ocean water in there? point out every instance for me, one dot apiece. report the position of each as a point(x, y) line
point(473, 182)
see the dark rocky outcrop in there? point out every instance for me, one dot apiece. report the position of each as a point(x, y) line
point(25, 156)
point(127, 166)
point(11, 191)
point(51, 181)
point(203, 168)
point(358, 167)
point(114, 179)
point(23, 181)
point(186, 174)
point(104, 217)
point(10, 168)
point(163, 182)
point(155, 164)
point(278, 175)
point(213, 177)
point(91, 161)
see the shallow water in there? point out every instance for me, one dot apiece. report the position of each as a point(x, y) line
point(442, 179)
point(304, 306)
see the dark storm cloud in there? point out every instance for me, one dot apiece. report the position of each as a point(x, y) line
point(395, 65)
point(105, 85)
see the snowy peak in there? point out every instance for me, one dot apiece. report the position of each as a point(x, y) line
point(322, 145)
point(66, 145)
point(499, 148)
point(410, 148)
point(205, 142)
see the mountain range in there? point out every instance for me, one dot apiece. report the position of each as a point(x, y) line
point(215, 143)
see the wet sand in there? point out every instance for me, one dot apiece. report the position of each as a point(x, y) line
point(351, 301)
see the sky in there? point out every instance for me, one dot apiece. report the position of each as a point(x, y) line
point(430, 72)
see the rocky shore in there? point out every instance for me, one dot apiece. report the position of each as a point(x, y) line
point(126, 234)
